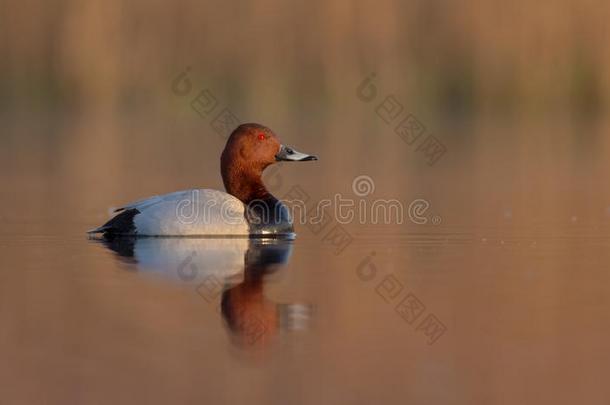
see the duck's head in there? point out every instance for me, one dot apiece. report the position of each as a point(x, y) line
point(249, 150)
point(254, 146)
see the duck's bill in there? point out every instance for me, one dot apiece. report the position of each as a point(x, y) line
point(287, 154)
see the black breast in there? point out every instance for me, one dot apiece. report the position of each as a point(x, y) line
point(269, 216)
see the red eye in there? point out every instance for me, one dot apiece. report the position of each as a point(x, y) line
point(261, 137)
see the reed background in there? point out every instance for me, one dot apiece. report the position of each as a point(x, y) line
point(517, 92)
point(448, 57)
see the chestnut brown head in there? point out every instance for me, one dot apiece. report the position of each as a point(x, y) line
point(249, 150)
point(256, 146)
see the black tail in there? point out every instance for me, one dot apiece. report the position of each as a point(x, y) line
point(121, 224)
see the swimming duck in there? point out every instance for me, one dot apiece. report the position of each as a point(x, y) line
point(246, 209)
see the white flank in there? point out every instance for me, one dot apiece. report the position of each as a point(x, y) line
point(195, 212)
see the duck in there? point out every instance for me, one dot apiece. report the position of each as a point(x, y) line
point(246, 209)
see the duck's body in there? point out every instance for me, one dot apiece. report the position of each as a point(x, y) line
point(247, 209)
point(199, 212)
point(183, 213)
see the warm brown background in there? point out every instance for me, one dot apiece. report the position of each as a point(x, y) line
point(453, 56)
point(517, 91)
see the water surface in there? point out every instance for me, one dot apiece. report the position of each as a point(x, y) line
point(501, 296)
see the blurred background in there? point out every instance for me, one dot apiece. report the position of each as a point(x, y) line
point(88, 86)
point(441, 56)
point(100, 105)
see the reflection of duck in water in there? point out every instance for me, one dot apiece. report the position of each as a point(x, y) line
point(233, 271)
point(252, 318)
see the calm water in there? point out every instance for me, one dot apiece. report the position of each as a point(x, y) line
point(501, 296)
